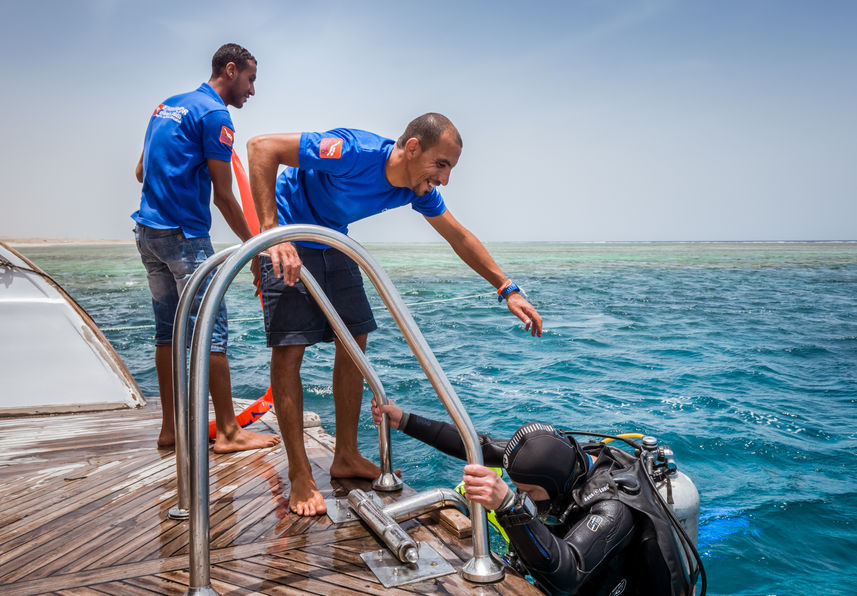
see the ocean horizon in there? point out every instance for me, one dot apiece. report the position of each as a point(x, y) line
point(38, 241)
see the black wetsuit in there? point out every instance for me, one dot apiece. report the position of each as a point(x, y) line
point(587, 555)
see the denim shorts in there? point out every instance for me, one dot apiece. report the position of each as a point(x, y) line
point(170, 259)
point(292, 316)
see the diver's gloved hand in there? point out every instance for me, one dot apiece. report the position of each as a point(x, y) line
point(482, 485)
point(393, 412)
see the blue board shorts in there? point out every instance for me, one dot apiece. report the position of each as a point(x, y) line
point(170, 259)
point(292, 316)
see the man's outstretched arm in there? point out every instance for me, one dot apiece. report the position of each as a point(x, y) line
point(265, 154)
point(468, 247)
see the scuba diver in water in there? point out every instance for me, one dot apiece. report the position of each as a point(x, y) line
point(585, 519)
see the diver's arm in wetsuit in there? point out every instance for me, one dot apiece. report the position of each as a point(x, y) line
point(562, 565)
point(445, 437)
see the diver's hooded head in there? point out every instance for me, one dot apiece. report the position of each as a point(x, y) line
point(537, 454)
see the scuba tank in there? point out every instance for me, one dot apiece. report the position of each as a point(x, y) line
point(676, 488)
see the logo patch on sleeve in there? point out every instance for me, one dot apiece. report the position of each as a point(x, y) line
point(594, 522)
point(330, 148)
point(226, 136)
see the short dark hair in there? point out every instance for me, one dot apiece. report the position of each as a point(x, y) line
point(427, 129)
point(230, 52)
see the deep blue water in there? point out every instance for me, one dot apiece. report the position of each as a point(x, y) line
point(740, 356)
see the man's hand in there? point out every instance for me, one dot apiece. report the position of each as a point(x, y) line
point(484, 486)
point(255, 269)
point(393, 412)
point(286, 262)
point(265, 153)
point(526, 312)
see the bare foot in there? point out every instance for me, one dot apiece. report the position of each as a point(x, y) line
point(244, 440)
point(353, 466)
point(304, 498)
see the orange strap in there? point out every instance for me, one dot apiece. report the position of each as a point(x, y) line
point(259, 407)
point(244, 190)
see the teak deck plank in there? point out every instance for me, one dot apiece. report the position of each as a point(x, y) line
point(60, 547)
point(127, 588)
point(178, 581)
point(302, 577)
point(95, 489)
point(85, 498)
point(136, 513)
point(82, 592)
point(173, 540)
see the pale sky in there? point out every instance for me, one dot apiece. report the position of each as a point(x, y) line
point(582, 120)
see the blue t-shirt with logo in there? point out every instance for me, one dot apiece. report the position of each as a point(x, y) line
point(341, 180)
point(183, 132)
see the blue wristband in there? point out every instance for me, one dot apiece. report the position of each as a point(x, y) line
point(512, 287)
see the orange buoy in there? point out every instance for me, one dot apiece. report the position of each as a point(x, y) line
point(244, 190)
point(250, 414)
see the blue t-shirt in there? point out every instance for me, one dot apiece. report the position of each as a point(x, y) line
point(183, 132)
point(341, 180)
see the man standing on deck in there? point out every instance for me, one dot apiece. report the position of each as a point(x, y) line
point(187, 149)
point(333, 179)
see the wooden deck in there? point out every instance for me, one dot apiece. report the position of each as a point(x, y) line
point(84, 499)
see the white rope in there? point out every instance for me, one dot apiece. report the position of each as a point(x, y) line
point(133, 328)
point(246, 319)
point(441, 300)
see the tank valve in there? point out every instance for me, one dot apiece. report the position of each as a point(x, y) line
point(650, 443)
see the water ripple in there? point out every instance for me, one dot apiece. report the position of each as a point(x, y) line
point(741, 356)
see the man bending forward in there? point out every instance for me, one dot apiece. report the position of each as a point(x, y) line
point(333, 179)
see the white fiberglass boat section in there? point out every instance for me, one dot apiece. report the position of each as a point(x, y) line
point(53, 358)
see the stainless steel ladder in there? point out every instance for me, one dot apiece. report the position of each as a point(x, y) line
point(193, 471)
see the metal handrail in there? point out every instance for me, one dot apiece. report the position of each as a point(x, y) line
point(180, 400)
point(482, 567)
point(387, 481)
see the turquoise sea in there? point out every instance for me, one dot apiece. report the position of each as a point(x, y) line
point(741, 356)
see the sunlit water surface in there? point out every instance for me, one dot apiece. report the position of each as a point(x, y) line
point(740, 356)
